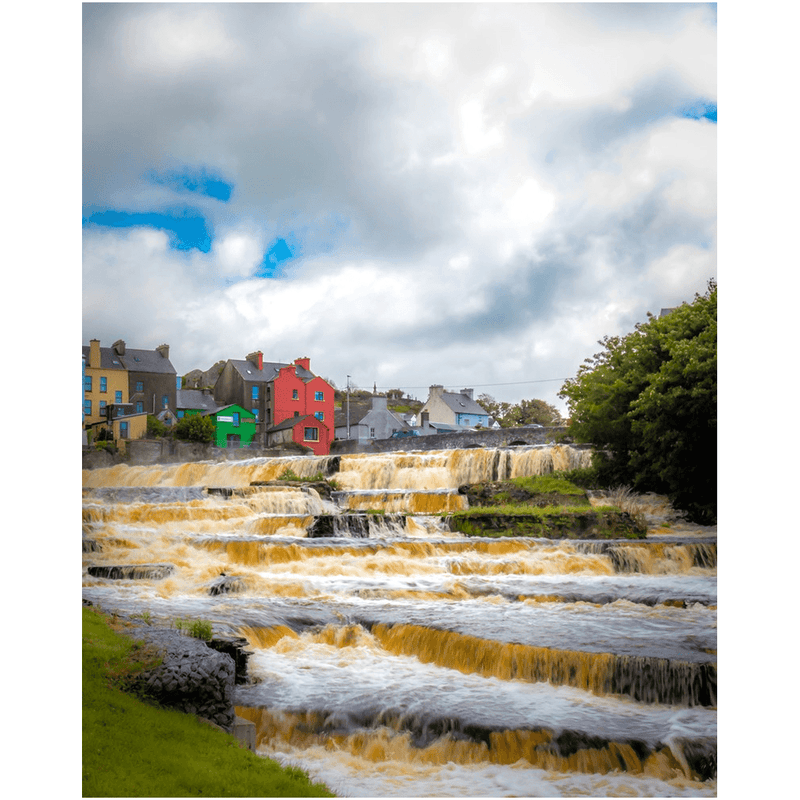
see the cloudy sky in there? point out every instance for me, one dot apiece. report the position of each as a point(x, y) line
point(464, 194)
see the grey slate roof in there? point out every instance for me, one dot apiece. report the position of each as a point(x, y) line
point(108, 358)
point(146, 361)
point(133, 360)
point(195, 399)
point(462, 404)
point(250, 372)
point(291, 422)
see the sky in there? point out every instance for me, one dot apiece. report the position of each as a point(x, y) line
point(470, 195)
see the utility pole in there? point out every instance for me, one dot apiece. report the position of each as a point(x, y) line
point(348, 407)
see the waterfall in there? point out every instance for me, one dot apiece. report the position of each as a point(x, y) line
point(391, 656)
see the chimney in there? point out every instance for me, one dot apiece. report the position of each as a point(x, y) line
point(424, 419)
point(437, 390)
point(94, 354)
point(162, 350)
point(304, 362)
point(468, 393)
point(119, 347)
point(257, 359)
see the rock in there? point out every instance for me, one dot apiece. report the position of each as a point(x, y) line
point(193, 677)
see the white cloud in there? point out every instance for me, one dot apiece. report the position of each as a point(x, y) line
point(478, 192)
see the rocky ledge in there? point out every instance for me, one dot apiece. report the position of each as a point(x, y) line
point(589, 524)
point(193, 677)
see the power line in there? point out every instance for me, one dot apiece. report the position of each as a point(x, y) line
point(476, 385)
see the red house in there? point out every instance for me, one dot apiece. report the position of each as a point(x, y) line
point(277, 393)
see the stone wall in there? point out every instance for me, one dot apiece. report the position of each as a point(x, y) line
point(496, 437)
point(143, 452)
point(193, 678)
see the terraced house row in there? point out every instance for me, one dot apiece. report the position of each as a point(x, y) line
point(252, 402)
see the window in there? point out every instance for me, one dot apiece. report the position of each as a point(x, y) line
point(164, 401)
point(255, 393)
point(255, 414)
point(310, 434)
point(372, 433)
point(87, 408)
point(87, 383)
point(139, 386)
point(103, 384)
point(139, 407)
point(123, 430)
point(181, 412)
point(102, 408)
point(235, 419)
point(295, 395)
point(319, 396)
point(320, 415)
point(117, 397)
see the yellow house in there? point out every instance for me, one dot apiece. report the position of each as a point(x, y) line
point(133, 426)
point(123, 429)
point(105, 382)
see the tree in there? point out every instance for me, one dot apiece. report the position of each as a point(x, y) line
point(648, 402)
point(195, 428)
point(526, 412)
point(155, 427)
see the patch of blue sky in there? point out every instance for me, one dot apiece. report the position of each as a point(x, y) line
point(187, 226)
point(700, 109)
point(199, 181)
point(278, 252)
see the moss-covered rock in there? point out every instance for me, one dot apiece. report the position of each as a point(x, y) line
point(556, 524)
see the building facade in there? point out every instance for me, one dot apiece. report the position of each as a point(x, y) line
point(454, 408)
point(119, 375)
point(276, 392)
point(235, 426)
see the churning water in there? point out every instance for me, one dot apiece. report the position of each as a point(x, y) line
point(392, 657)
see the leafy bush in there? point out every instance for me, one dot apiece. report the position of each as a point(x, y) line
point(196, 428)
point(155, 427)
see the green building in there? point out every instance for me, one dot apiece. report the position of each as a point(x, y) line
point(236, 426)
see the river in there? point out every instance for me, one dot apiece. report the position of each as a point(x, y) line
point(392, 657)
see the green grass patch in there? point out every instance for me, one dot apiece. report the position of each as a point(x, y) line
point(547, 484)
point(198, 628)
point(133, 748)
point(519, 510)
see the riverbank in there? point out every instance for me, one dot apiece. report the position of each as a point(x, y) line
point(543, 506)
point(134, 748)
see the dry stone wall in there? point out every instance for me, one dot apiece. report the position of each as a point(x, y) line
point(193, 677)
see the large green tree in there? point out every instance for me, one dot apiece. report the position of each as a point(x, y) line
point(526, 412)
point(648, 402)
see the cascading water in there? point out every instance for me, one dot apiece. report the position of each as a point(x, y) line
point(392, 657)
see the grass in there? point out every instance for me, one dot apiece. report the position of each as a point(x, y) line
point(133, 748)
point(547, 484)
point(199, 628)
point(521, 510)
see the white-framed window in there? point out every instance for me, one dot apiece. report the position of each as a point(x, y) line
point(310, 434)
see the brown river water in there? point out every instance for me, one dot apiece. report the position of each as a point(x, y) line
point(396, 658)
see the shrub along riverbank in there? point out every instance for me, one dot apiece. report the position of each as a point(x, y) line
point(546, 506)
point(134, 748)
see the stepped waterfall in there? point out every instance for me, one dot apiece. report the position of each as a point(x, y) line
point(393, 657)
